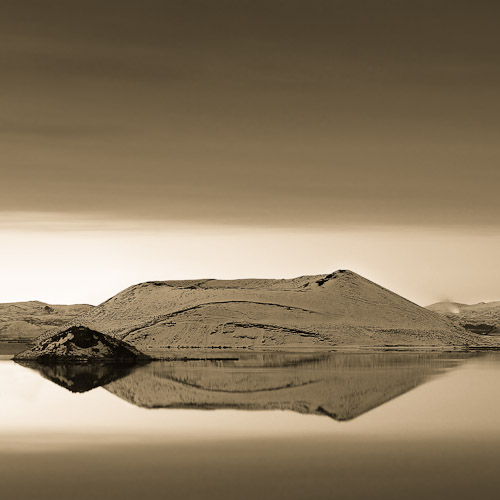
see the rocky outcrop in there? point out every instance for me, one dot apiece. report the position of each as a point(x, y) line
point(79, 344)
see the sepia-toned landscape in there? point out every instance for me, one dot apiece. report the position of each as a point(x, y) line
point(249, 249)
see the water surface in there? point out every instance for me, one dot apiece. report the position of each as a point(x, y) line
point(370, 425)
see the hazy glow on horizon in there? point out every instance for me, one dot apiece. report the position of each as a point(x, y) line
point(66, 261)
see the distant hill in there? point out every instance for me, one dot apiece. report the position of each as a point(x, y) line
point(24, 321)
point(482, 318)
point(341, 308)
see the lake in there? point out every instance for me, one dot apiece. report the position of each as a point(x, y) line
point(295, 426)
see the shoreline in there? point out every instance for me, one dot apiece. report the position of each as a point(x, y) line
point(235, 354)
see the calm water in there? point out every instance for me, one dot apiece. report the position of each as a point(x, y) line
point(372, 425)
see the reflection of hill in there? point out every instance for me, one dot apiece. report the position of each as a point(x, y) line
point(342, 386)
point(78, 377)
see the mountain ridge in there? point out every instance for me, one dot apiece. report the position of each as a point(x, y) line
point(319, 311)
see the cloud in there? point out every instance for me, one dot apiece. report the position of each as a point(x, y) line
point(251, 113)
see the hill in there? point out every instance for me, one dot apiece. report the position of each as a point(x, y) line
point(324, 311)
point(24, 321)
point(482, 318)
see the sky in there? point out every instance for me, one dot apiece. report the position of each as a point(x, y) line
point(186, 139)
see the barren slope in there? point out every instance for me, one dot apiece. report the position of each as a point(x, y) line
point(341, 308)
point(24, 321)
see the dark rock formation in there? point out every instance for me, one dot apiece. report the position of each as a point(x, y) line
point(80, 344)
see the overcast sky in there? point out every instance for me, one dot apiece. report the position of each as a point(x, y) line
point(332, 116)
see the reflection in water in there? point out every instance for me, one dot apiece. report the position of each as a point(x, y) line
point(341, 385)
point(79, 377)
point(440, 441)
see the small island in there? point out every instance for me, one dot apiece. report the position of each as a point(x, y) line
point(79, 344)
